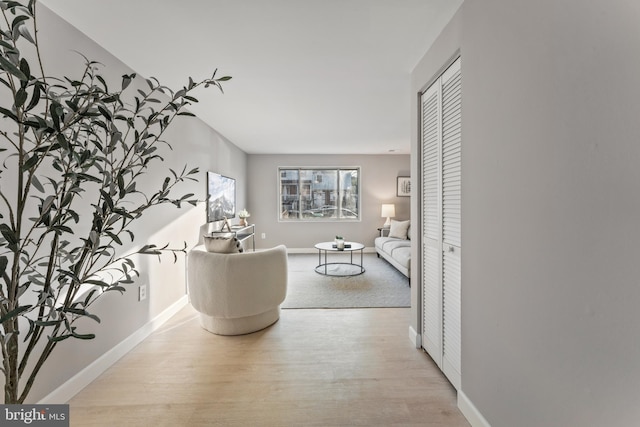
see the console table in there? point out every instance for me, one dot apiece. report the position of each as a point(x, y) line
point(353, 269)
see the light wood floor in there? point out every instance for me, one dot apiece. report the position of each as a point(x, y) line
point(324, 368)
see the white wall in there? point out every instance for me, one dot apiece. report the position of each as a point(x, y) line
point(550, 205)
point(378, 185)
point(194, 144)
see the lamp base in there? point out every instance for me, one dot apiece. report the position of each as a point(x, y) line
point(387, 224)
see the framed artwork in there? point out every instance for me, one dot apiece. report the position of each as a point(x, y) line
point(404, 186)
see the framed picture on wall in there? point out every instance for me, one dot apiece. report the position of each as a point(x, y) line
point(403, 188)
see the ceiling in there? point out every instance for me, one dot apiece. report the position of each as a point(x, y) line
point(309, 76)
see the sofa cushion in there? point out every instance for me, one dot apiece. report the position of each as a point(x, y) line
point(402, 255)
point(399, 229)
point(388, 244)
point(391, 245)
point(222, 244)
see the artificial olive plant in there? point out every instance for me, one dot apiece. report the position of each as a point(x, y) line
point(73, 152)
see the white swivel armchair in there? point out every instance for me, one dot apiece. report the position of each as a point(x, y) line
point(237, 293)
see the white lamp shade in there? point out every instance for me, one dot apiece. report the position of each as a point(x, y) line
point(388, 210)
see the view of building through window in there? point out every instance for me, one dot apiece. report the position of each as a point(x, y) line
point(322, 193)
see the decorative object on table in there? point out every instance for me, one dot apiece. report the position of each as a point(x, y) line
point(346, 246)
point(403, 186)
point(223, 244)
point(80, 161)
point(388, 211)
point(225, 224)
point(243, 215)
point(339, 243)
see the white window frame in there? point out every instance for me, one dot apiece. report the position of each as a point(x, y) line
point(299, 217)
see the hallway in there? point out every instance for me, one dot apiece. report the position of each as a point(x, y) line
point(334, 367)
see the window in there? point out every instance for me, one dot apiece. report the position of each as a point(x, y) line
point(319, 194)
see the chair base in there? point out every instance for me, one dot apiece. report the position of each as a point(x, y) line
point(239, 325)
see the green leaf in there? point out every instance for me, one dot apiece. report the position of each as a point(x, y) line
point(126, 81)
point(107, 199)
point(179, 94)
point(15, 312)
point(105, 113)
point(8, 234)
point(7, 46)
point(24, 32)
point(36, 183)
point(31, 162)
point(18, 20)
point(55, 110)
point(9, 114)
point(110, 98)
point(88, 177)
point(72, 104)
point(62, 141)
point(120, 181)
point(62, 229)
point(100, 283)
point(12, 69)
point(3, 265)
point(24, 67)
point(21, 97)
point(35, 97)
point(46, 322)
point(114, 237)
point(88, 298)
point(83, 313)
point(104, 83)
point(149, 250)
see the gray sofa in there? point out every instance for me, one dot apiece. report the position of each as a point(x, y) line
point(396, 251)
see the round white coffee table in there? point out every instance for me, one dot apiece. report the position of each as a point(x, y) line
point(339, 268)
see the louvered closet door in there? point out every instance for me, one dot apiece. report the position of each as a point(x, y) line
point(451, 224)
point(431, 223)
point(441, 221)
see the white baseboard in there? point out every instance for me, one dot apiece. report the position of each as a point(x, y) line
point(470, 412)
point(415, 337)
point(75, 384)
point(302, 251)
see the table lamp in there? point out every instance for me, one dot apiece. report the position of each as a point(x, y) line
point(388, 211)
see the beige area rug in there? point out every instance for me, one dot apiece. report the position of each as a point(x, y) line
point(380, 285)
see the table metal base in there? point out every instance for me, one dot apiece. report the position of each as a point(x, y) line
point(353, 270)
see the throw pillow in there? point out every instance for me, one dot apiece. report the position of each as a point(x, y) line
point(399, 229)
point(222, 244)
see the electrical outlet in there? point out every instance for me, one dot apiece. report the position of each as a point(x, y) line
point(142, 293)
point(264, 235)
